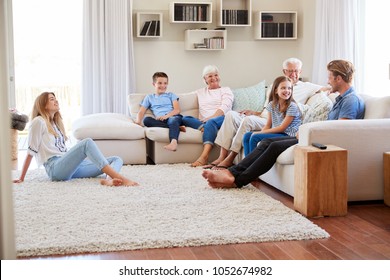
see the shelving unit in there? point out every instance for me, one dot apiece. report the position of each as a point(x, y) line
point(234, 13)
point(149, 24)
point(276, 25)
point(205, 40)
point(190, 12)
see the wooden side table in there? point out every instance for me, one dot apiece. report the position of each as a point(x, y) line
point(320, 187)
point(386, 178)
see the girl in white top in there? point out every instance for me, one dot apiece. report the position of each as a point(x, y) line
point(46, 142)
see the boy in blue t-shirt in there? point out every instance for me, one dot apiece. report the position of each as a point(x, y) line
point(166, 110)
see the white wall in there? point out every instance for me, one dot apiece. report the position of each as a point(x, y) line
point(245, 61)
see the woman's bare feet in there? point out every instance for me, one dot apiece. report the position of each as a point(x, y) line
point(198, 162)
point(182, 128)
point(116, 182)
point(111, 182)
point(219, 178)
point(171, 146)
point(128, 183)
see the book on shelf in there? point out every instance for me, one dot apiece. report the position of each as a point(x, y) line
point(157, 33)
point(277, 29)
point(145, 28)
point(235, 17)
point(152, 29)
point(190, 12)
point(289, 30)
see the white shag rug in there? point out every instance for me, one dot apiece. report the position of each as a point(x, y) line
point(172, 207)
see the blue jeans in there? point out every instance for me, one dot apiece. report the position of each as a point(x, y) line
point(210, 127)
point(172, 123)
point(73, 164)
point(250, 140)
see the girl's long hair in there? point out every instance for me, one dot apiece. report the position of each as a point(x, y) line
point(39, 109)
point(274, 98)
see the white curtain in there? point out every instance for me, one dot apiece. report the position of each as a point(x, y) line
point(339, 34)
point(108, 59)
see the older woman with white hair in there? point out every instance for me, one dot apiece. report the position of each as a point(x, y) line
point(214, 102)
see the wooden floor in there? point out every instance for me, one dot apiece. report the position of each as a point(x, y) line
point(364, 234)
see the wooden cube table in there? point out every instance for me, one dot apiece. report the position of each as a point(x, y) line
point(320, 186)
point(386, 177)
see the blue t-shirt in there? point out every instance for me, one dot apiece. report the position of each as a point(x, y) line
point(348, 106)
point(277, 117)
point(160, 104)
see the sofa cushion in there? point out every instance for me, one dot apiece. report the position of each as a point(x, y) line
point(159, 134)
point(319, 108)
point(107, 126)
point(134, 101)
point(249, 98)
point(377, 107)
point(287, 157)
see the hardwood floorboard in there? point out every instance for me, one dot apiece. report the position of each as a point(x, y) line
point(356, 240)
point(182, 253)
point(273, 251)
point(227, 252)
point(295, 250)
point(250, 251)
point(158, 254)
point(205, 253)
point(334, 245)
point(319, 251)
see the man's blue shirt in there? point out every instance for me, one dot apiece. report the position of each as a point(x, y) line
point(347, 106)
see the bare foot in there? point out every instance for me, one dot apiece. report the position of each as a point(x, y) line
point(219, 178)
point(128, 183)
point(171, 146)
point(198, 162)
point(111, 182)
point(228, 161)
point(182, 128)
point(212, 164)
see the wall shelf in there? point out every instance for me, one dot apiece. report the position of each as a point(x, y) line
point(205, 40)
point(190, 12)
point(149, 24)
point(234, 13)
point(276, 25)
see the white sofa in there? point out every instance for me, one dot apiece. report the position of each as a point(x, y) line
point(366, 141)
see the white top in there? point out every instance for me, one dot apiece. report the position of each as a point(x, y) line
point(42, 144)
point(212, 99)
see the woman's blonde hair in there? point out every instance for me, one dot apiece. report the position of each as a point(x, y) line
point(39, 109)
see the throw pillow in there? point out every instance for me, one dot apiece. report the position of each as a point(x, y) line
point(377, 107)
point(319, 109)
point(304, 108)
point(249, 98)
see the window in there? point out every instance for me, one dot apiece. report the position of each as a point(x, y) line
point(377, 49)
point(47, 51)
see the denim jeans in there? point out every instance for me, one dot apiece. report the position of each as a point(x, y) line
point(173, 123)
point(250, 140)
point(73, 164)
point(261, 159)
point(210, 127)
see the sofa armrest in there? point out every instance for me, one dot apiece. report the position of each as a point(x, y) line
point(348, 133)
point(365, 140)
